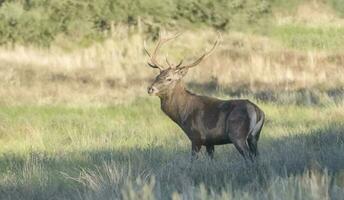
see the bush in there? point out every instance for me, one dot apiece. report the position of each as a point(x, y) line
point(338, 5)
point(40, 21)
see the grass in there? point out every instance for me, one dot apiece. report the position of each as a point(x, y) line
point(308, 38)
point(134, 151)
point(106, 73)
point(79, 125)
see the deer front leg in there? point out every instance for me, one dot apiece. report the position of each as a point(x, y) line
point(195, 148)
point(210, 151)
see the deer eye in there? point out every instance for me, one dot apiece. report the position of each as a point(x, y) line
point(168, 79)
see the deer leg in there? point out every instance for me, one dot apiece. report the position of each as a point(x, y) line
point(210, 151)
point(253, 145)
point(243, 148)
point(195, 148)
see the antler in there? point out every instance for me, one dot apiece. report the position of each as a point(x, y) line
point(176, 66)
point(153, 61)
point(206, 54)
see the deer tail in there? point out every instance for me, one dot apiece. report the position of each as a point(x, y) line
point(257, 118)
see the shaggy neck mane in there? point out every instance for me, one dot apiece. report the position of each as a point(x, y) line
point(177, 103)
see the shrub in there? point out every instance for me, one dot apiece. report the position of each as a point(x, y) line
point(40, 21)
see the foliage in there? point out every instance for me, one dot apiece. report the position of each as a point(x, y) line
point(41, 21)
point(338, 5)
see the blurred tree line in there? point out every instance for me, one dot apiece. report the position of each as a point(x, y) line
point(40, 22)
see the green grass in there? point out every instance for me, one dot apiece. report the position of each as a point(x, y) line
point(310, 38)
point(135, 152)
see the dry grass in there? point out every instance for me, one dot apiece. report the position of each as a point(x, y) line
point(115, 70)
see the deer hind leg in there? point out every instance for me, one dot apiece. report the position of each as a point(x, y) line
point(252, 141)
point(243, 148)
point(253, 146)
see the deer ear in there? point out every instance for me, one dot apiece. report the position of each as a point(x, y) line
point(182, 71)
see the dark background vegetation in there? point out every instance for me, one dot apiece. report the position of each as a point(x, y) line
point(40, 22)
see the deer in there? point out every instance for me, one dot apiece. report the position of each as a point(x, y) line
point(207, 121)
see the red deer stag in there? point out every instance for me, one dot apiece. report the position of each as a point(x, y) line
point(206, 121)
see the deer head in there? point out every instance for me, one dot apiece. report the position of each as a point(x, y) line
point(170, 75)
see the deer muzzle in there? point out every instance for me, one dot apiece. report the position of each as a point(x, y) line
point(152, 90)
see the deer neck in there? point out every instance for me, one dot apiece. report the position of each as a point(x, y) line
point(177, 103)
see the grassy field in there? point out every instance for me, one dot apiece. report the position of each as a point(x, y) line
point(134, 152)
point(76, 122)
